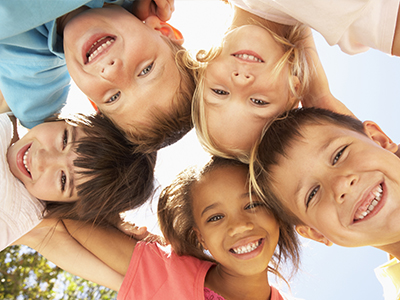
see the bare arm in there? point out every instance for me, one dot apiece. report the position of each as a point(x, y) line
point(319, 93)
point(109, 244)
point(51, 239)
point(396, 40)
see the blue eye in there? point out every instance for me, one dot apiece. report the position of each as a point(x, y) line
point(147, 69)
point(114, 97)
point(63, 181)
point(338, 155)
point(311, 195)
point(215, 218)
point(258, 101)
point(65, 139)
point(220, 92)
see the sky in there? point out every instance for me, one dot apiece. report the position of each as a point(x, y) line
point(368, 83)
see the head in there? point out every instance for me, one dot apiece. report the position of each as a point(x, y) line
point(212, 210)
point(109, 176)
point(128, 69)
point(254, 76)
point(337, 177)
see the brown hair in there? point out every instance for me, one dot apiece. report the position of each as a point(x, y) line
point(279, 137)
point(118, 177)
point(168, 128)
point(291, 39)
point(175, 215)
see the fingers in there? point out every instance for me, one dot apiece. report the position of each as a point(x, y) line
point(164, 9)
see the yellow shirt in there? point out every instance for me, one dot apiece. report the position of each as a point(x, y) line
point(389, 276)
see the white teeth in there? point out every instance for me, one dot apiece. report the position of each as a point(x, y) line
point(247, 248)
point(100, 48)
point(25, 160)
point(248, 57)
point(378, 195)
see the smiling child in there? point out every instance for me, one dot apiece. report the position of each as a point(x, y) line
point(337, 177)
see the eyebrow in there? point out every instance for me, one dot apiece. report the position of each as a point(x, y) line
point(208, 208)
point(71, 180)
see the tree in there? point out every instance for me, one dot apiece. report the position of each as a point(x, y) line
point(25, 274)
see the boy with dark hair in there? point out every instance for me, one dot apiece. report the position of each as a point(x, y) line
point(338, 178)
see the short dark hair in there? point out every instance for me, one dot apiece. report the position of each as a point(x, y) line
point(118, 177)
point(278, 138)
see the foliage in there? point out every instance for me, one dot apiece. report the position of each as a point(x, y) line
point(25, 274)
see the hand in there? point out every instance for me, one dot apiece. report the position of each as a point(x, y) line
point(131, 229)
point(163, 9)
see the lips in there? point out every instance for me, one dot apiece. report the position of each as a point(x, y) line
point(248, 56)
point(368, 205)
point(247, 248)
point(97, 45)
point(23, 160)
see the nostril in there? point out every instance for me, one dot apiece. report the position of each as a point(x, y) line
point(353, 182)
point(342, 196)
point(112, 63)
point(236, 74)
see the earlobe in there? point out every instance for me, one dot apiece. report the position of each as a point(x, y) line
point(311, 233)
point(376, 134)
point(165, 29)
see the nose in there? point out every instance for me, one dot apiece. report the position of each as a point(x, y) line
point(242, 77)
point(111, 70)
point(46, 159)
point(342, 185)
point(240, 225)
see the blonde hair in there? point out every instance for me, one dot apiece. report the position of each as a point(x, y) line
point(291, 40)
point(168, 128)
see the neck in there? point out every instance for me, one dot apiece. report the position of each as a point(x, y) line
point(392, 249)
point(235, 287)
point(64, 19)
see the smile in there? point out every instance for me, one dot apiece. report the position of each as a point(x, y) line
point(246, 248)
point(99, 46)
point(248, 57)
point(25, 160)
point(377, 192)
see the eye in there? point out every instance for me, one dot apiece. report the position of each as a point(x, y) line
point(253, 205)
point(311, 195)
point(258, 101)
point(65, 139)
point(63, 181)
point(338, 155)
point(146, 70)
point(215, 218)
point(220, 92)
point(114, 97)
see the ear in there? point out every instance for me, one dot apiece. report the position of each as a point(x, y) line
point(293, 100)
point(313, 234)
point(200, 238)
point(165, 29)
point(376, 134)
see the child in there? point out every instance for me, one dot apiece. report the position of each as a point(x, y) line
point(62, 164)
point(208, 210)
point(337, 178)
point(261, 70)
point(34, 65)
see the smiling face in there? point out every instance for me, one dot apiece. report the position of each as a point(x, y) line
point(121, 63)
point(241, 235)
point(242, 92)
point(343, 185)
point(43, 161)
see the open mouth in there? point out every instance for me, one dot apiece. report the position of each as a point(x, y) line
point(248, 56)
point(98, 47)
point(246, 248)
point(25, 160)
point(365, 210)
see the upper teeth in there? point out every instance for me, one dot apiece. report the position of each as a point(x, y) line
point(100, 48)
point(248, 57)
point(246, 248)
point(25, 160)
point(377, 192)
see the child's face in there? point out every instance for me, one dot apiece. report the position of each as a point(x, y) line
point(132, 74)
point(343, 185)
point(43, 161)
point(240, 235)
point(241, 93)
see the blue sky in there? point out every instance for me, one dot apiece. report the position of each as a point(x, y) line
point(368, 83)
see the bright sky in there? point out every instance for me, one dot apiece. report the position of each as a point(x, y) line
point(369, 84)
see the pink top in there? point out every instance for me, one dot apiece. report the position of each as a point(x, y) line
point(211, 295)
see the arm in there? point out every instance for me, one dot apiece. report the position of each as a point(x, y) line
point(319, 94)
point(51, 239)
point(109, 244)
point(163, 9)
point(3, 104)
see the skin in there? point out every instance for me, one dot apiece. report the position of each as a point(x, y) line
point(50, 159)
point(225, 220)
point(135, 75)
point(243, 94)
point(337, 171)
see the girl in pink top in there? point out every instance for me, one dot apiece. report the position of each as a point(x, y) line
point(208, 211)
